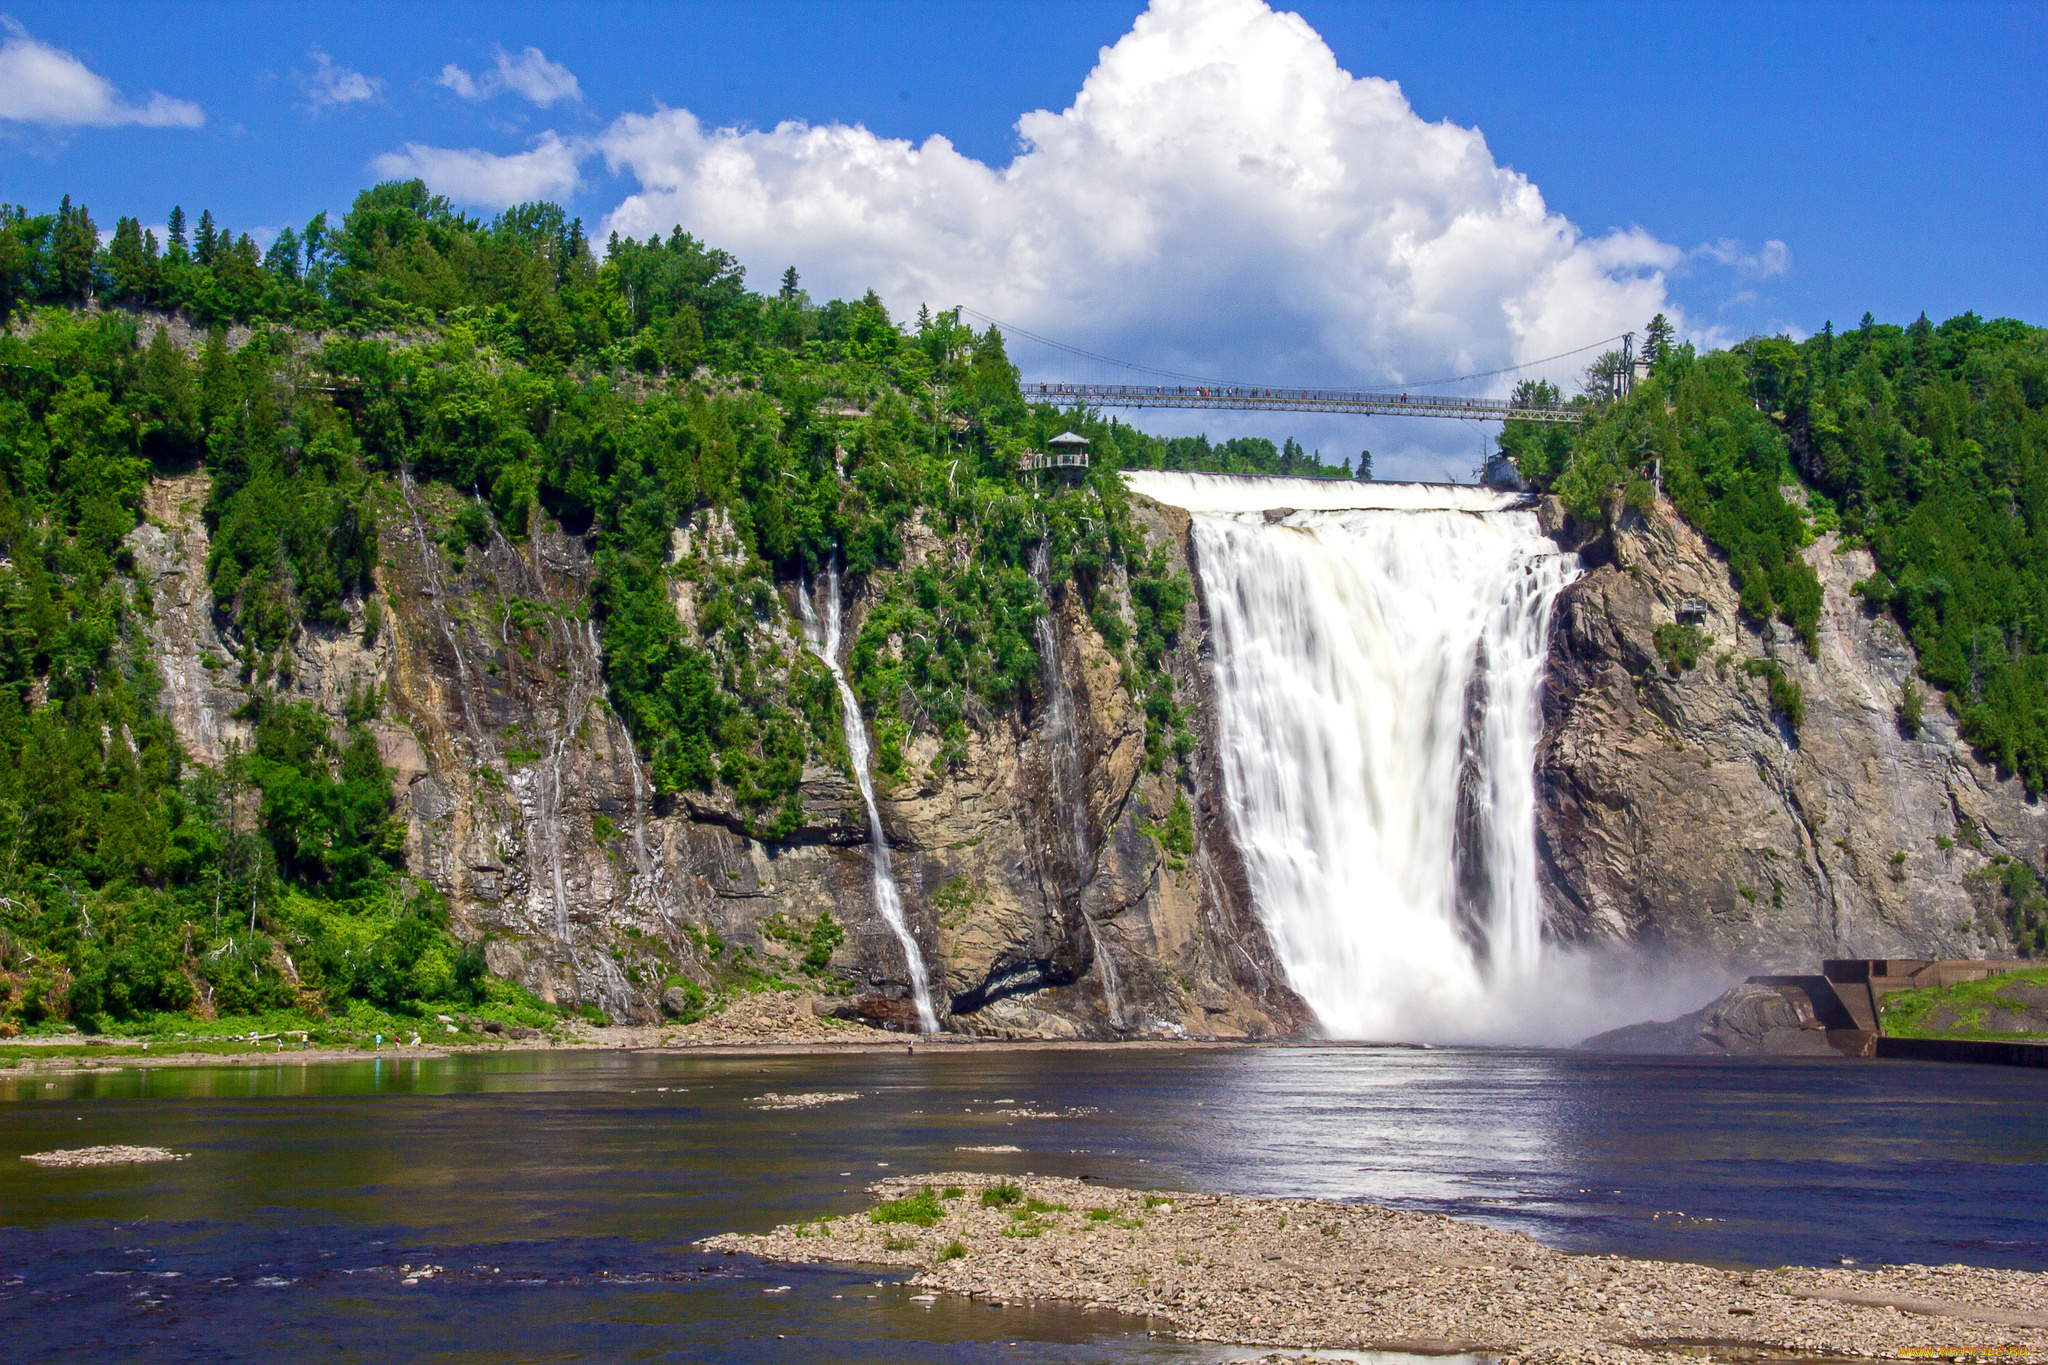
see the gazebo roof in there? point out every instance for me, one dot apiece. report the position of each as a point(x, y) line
point(1067, 438)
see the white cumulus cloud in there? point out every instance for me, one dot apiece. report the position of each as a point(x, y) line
point(1221, 198)
point(46, 85)
point(329, 84)
point(530, 75)
point(1772, 258)
point(546, 170)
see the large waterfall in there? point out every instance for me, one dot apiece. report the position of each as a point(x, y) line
point(1377, 654)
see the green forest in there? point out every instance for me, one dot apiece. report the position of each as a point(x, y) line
point(625, 391)
point(618, 396)
point(1926, 444)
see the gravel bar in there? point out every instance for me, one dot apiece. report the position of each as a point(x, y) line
point(73, 1157)
point(1321, 1275)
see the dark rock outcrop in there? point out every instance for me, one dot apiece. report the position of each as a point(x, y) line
point(1749, 1020)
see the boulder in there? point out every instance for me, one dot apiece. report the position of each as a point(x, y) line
point(1746, 1021)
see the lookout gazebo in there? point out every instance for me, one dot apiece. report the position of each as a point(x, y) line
point(1065, 451)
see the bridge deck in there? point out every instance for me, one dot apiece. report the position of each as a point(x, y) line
point(1293, 400)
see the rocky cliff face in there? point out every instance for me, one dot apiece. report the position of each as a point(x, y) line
point(1677, 809)
point(1040, 901)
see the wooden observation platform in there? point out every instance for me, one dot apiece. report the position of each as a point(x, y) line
point(1065, 451)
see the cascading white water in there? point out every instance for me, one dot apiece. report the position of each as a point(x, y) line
point(824, 642)
point(1350, 640)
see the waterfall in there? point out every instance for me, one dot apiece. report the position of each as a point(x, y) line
point(1073, 865)
point(824, 642)
point(1355, 627)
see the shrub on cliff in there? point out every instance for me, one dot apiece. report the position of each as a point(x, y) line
point(1927, 444)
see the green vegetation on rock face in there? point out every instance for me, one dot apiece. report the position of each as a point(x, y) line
point(1927, 444)
point(2013, 1005)
point(1679, 646)
point(495, 380)
point(133, 881)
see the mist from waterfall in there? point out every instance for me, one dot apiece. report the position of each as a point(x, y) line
point(1377, 655)
point(823, 640)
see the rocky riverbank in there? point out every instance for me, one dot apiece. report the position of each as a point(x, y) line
point(1321, 1275)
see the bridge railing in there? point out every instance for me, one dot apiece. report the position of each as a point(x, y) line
point(1224, 397)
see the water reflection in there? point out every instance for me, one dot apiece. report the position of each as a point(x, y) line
point(582, 1179)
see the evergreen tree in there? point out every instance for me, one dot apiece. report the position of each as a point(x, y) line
point(169, 406)
point(1364, 470)
point(131, 263)
point(992, 380)
point(174, 234)
point(74, 241)
point(1658, 339)
point(282, 260)
point(316, 244)
point(789, 283)
point(208, 241)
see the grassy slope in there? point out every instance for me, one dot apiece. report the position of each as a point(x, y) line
point(1909, 1014)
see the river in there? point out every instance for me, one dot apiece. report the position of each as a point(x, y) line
point(557, 1194)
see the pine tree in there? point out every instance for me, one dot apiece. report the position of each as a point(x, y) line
point(208, 239)
point(1657, 340)
point(129, 264)
point(174, 234)
point(789, 283)
point(282, 260)
point(73, 244)
point(170, 406)
point(1364, 470)
point(314, 244)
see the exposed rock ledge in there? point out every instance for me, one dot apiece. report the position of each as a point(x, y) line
point(1748, 1020)
point(526, 803)
point(1677, 811)
point(1326, 1275)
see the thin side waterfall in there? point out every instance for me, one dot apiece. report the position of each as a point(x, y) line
point(824, 642)
point(1074, 865)
point(1347, 644)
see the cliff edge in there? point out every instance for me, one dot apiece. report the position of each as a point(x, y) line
point(1679, 809)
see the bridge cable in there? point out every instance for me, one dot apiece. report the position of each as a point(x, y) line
point(1015, 330)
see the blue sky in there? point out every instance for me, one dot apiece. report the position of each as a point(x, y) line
point(1753, 168)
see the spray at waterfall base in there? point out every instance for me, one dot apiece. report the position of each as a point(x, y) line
point(1378, 655)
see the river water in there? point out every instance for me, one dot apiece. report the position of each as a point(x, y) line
point(559, 1193)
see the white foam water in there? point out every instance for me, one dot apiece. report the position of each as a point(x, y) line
point(823, 640)
point(1353, 639)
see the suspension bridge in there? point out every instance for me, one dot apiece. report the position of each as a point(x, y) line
point(1194, 392)
point(1365, 402)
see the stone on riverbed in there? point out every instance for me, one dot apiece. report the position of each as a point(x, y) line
point(104, 1156)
